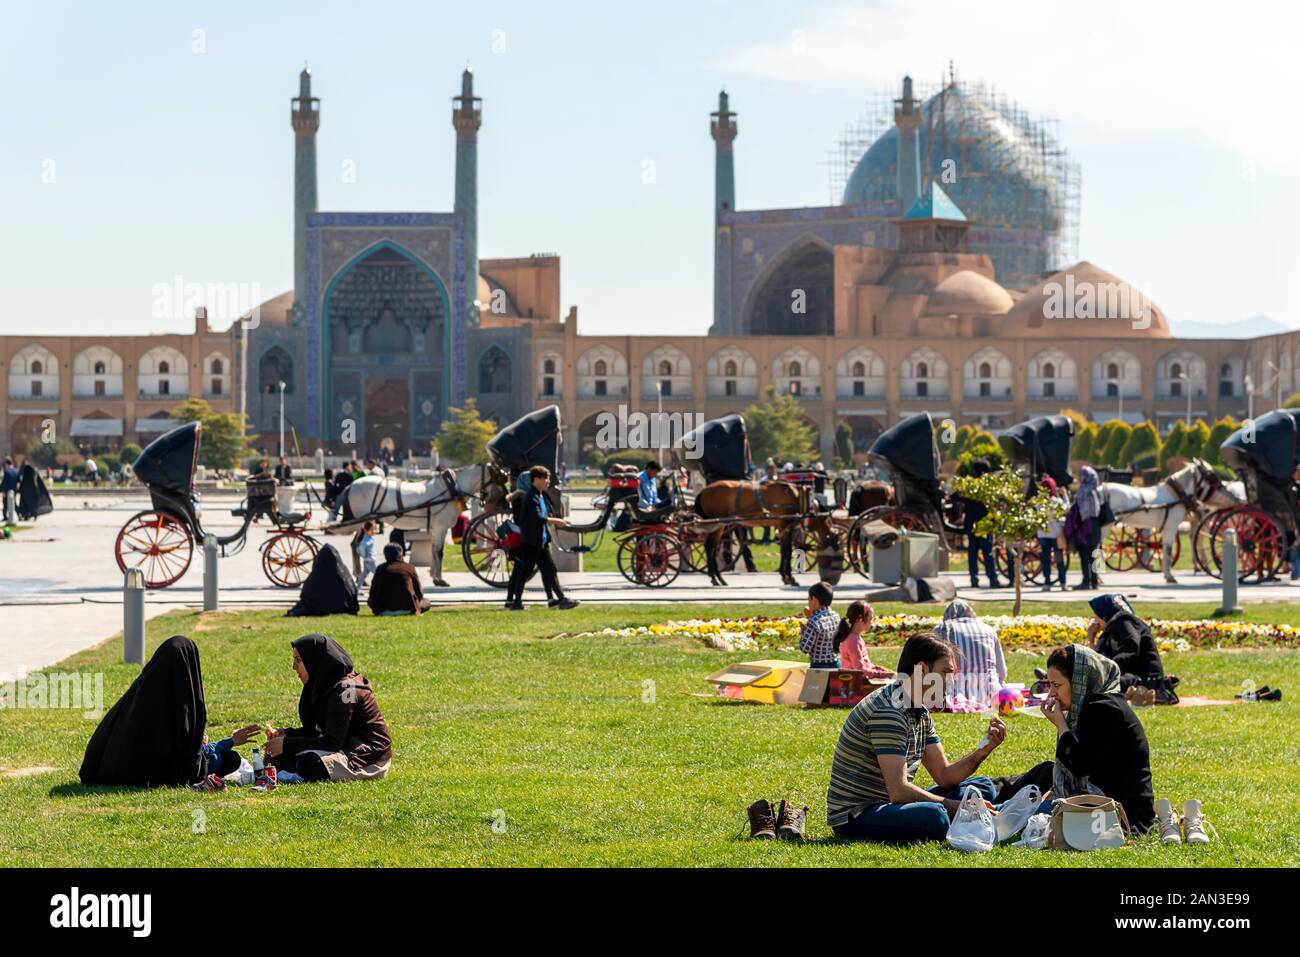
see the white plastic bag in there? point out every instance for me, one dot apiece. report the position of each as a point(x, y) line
point(244, 774)
point(1013, 815)
point(972, 827)
point(1035, 836)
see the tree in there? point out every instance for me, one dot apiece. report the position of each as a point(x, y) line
point(130, 452)
point(990, 452)
point(1080, 420)
point(1114, 451)
point(1143, 447)
point(47, 455)
point(1292, 401)
point(1218, 435)
point(778, 430)
point(1198, 436)
point(463, 438)
point(225, 434)
point(844, 445)
point(1012, 519)
point(1083, 443)
point(1173, 445)
point(1102, 440)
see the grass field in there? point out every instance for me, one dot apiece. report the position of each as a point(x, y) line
point(553, 739)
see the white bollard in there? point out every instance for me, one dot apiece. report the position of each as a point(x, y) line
point(1229, 605)
point(133, 617)
point(209, 572)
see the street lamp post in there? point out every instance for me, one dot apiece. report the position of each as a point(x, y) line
point(281, 419)
point(1250, 397)
point(1187, 386)
point(659, 420)
point(1119, 393)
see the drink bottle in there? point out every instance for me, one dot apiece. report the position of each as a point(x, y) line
point(257, 763)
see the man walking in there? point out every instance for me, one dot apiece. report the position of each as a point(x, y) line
point(535, 552)
point(9, 491)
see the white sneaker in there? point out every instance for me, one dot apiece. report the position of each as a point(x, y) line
point(1168, 820)
point(1194, 824)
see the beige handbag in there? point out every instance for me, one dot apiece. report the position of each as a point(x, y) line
point(1088, 822)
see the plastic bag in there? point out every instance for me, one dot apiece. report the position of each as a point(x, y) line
point(1013, 815)
point(972, 826)
point(1035, 836)
point(243, 775)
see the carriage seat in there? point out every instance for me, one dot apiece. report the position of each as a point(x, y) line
point(652, 516)
point(293, 518)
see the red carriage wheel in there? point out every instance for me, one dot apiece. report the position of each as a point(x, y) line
point(158, 544)
point(1120, 547)
point(1202, 542)
point(1261, 545)
point(484, 552)
point(656, 559)
point(287, 558)
point(1151, 552)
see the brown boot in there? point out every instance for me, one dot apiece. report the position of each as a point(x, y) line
point(762, 825)
point(789, 821)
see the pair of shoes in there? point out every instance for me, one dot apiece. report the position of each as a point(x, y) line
point(213, 782)
point(1262, 693)
point(514, 606)
point(267, 781)
point(1140, 696)
point(1189, 827)
point(766, 825)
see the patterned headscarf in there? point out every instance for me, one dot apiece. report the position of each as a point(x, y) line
point(1089, 497)
point(1093, 674)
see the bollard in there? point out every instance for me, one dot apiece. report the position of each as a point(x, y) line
point(1229, 605)
point(133, 617)
point(209, 572)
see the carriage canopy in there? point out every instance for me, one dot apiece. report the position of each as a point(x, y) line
point(168, 462)
point(722, 448)
point(532, 440)
point(909, 448)
point(1271, 447)
point(1042, 443)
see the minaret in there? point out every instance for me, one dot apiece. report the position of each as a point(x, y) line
point(723, 128)
point(304, 116)
point(467, 117)
point(907, 117)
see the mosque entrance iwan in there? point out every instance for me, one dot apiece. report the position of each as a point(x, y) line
point(388, 416)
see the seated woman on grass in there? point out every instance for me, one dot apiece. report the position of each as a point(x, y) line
point(981, 668)
point(1100, 745)
point(343, 735)
point(886, 736)
point(1120, 635)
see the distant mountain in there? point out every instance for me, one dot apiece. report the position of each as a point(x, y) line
point(1237, 329)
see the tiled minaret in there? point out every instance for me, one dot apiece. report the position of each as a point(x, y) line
point(304, 116)
point(722, 125)
point(467, 117)
point(907, 117)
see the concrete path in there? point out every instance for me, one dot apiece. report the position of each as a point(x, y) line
point(61, 591)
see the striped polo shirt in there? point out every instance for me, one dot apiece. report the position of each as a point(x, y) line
point(881, 723)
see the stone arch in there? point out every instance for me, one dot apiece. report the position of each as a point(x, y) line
point(495, 371)
point(1178, 372)
point(798, 372)
point(97, 371)
point(666, 368)
point(33, 373)
point(601, 371)
point(1120, 365)
point(731, 372)
point(164, 371)
point(860, 374)
point(988, 374)
point(794, 294)
point(924, 374)
point(216, 374)
point(275, 366)
point(550, 374)
point(1053, 374)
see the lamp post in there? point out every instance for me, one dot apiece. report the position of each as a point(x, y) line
point(1250, 397)
point(1119, 393)
point(282, 419)
point(1187, 386)
point(659, 419)
point(1277, 385)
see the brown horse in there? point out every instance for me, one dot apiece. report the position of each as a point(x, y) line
point(779, 505)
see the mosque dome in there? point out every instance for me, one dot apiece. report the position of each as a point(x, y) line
point(968, 293)
point(1084, 301)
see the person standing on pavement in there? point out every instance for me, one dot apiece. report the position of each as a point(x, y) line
point(535, 523)
point(9, 491)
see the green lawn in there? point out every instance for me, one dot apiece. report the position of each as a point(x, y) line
point(494, 718)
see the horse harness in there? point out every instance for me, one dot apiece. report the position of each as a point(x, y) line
point(1190, 502)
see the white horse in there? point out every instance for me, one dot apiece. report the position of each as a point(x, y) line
point(1162, 508)
point(431, 506)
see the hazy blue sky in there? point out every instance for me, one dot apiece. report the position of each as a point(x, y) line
point(130, 156)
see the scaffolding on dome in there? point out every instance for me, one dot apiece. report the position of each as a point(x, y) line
point(1025, 191)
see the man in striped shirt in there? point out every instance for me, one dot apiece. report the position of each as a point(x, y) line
point(886, 737)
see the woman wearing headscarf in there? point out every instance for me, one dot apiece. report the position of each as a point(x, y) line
point(1049, 537)
point(328, 589)
point(1100, 745)
point(153, 737)
point(1083, 525)
point(1117, 633)
point(981, 667)
point(343, 735)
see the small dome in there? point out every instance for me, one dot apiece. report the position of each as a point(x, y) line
point(968, 293)
point(492, 294)
point(1085, 302)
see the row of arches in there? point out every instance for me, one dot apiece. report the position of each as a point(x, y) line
point(98, 371)
point(925, 373)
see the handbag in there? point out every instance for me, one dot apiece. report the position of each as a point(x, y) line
point(1088, 822)
point(510, 535)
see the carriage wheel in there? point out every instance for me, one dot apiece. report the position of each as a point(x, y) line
point(656, 559)
point(857, 547)
point(1261, 545)
point(623, 557)
point(1202, 540)
point(1150, 555)
point(158, 544)
point(483, 551)
point(695, 549)
point(1120, 547)
point(287, 558)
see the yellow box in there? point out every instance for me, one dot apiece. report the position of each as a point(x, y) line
point(770, 681)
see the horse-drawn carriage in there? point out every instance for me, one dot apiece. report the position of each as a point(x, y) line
point(160, 541)
point(908, 453)
point(1039, 448)
point(1265, 454)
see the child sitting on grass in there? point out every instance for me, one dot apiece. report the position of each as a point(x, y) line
point(817, 639)
point(857, 621)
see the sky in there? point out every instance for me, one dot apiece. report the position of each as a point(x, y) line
point(147, 145)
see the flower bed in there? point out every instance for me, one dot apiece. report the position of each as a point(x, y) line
point(1027, 631)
